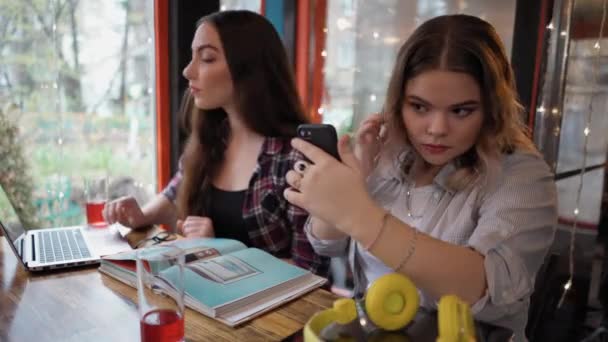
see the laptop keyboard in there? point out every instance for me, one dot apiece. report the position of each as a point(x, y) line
point(62, 245)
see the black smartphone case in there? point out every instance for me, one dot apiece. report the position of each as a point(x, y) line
point(323, 136)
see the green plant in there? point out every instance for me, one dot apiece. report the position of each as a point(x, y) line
point(14, 174)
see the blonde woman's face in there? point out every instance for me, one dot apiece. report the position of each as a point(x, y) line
point(442, 114)
point(207, 73)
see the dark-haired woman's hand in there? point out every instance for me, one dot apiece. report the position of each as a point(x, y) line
point(125, 211)
point(329, 190)
point(368, 141)
point(196, 226)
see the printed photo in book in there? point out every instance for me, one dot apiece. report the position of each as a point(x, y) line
point(224, 279)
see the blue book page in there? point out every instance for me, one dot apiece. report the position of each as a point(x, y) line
point(191, 246)
point(223, 279)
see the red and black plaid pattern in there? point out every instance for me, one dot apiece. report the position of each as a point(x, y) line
point(273, 224)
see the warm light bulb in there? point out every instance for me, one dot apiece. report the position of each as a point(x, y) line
point(550, 26)
point(597, 45)
point(568, 285)
point(343, 24)
point(586, 131)
point(391, 40)
point(372, 97)
point(556, 131)
point(576, 211)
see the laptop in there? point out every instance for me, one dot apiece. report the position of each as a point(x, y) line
point(51, 248)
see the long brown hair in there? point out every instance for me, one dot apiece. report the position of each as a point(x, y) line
point(467, 44)
point(266, 97)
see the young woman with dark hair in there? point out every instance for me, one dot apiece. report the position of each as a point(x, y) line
point(244, 109)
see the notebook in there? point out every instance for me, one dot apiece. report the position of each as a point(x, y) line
point(223, 278)
point(61, 247)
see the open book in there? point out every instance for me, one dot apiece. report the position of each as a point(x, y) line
point(224, 279)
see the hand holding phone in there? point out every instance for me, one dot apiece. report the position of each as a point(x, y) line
point(323, 136)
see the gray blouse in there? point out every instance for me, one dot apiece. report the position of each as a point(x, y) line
point(510, 219)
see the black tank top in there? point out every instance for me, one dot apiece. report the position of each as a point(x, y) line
point(226, 213)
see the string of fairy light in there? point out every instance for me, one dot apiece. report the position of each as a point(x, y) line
point(59, 189)
point(586, 131)
point(382, 34)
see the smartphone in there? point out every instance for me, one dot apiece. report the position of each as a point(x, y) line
point(323, 136)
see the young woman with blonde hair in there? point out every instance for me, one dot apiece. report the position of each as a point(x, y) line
point(452, 193)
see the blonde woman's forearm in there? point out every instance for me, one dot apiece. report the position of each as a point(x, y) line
point(435, 266)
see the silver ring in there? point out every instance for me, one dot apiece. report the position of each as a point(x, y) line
point(300, 166)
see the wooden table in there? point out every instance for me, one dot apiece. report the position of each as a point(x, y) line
point(84, 305)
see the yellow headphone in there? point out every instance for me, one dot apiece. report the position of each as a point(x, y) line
point(391, 303)
point(455, 320)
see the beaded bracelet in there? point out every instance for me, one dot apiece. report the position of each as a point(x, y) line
point(410, 250)
point(380, 231)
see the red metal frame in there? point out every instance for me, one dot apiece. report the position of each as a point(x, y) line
point(302, 49)
point(580, 224)
point(318, 85)
point(163, 137)
point(310, 93)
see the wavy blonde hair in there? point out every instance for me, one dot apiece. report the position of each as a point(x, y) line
point(467, 44)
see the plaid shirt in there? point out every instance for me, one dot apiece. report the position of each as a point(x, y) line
point(273, 224)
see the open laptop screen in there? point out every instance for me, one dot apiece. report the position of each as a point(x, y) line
point(10, 222)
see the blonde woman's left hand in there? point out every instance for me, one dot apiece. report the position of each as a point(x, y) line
point(332, 191)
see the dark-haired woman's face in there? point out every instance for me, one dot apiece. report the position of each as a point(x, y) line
point(207, 73)
point(442, 113)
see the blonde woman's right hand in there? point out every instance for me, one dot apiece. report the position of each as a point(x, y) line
point(368, 141)
point(125, 211)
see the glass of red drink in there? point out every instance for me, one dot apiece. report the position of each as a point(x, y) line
point(96, 196)
point(160, 293)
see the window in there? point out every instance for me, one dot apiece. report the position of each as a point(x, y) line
point(77, 91)
point(362, 39)
point(250, 5)
point(570, 114)
point(580, 90)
